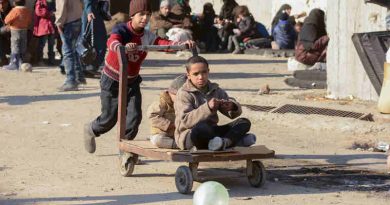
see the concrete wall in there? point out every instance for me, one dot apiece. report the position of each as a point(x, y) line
point(346, 75)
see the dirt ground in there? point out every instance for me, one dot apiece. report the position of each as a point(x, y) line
point(42, 159)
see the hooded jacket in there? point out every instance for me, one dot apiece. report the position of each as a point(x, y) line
point(191, 107)
point(161, 114)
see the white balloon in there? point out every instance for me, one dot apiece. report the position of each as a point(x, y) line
point(211, 193)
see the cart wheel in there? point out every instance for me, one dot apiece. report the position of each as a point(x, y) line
point(127, 162)
point(257, 179)
point(184, 179)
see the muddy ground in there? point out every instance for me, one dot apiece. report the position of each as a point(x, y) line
point(42, 160)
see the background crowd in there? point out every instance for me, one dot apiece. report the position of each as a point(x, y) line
point(62, 23)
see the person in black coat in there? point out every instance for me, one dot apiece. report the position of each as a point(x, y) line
point(313, 39)
point(209, 33)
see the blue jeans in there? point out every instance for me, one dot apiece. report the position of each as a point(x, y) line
point(69, 37)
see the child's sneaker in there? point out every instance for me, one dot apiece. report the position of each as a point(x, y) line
point(247, 141)
point(216, 144)
point(13, 64)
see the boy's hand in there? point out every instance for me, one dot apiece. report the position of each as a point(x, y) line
point(191, 44)
point(213, 104)
point(227, 105)
point(131, 47)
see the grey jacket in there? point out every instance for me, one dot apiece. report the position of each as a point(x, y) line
point(68, 11)
point(191, 107)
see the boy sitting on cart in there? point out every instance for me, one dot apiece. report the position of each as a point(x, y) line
point(131, 34)
point(197, 105)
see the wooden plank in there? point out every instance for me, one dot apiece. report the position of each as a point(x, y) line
point(122, 99)
point(151, 153)
point(237, 153)
point(242, 153)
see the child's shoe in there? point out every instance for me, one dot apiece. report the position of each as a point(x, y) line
point(218, 143)
point(13, 64)
point(247, 141)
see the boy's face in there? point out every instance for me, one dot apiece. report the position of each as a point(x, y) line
point(141, 19)
point(198, 74)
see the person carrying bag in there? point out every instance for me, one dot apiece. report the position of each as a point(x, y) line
point(85, 46)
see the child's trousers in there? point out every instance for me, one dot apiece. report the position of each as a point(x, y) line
point(18, 41)
point(202, 132)
point(109, 100)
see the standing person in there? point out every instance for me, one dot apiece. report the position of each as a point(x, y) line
point(68, 21)
point(131, 34)
point(284, 33)
point(44, 29)
point(313, 39)
point(197, 105)
point(5, 37)
point(92, 12)
point(19, 19)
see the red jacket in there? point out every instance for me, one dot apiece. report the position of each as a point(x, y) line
point(121, 35)
point(43, 24)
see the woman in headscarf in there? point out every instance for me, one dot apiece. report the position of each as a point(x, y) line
point(226, 17)
point(313, 39)
point(285, 8)
point(227, 10)
point(208, 32)
point(284, 33)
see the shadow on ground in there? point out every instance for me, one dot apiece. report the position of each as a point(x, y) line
point(178, 63)
point(229, 89)
point(335, 159)
point(282, 180)
point(25, 99)
point(214, 76)
point(108, 200)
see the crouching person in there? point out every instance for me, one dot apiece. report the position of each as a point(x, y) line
point(197, 104)
point(162, 116)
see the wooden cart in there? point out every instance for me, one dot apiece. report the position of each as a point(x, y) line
point(185, 175)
